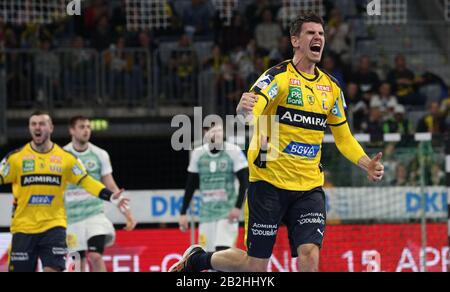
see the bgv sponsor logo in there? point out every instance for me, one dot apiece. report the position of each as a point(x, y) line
point(41, 200)
point(302, 150)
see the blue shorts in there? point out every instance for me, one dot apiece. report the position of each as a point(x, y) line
point(304, 214)
point(50, 247)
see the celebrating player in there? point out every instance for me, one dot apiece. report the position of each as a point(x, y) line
point(89, 231)
point(39, 173)
point(286, 180)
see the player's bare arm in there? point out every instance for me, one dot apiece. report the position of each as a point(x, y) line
point(111, 184)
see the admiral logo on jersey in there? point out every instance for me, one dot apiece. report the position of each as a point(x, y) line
point(49, 180)
point(302, 119)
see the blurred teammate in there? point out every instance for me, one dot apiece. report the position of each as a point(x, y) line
point(286, 180)
point(39, 173)
point(214, 167)
point(89, 231)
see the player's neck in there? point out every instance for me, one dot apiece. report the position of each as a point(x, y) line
point(304, 65)
point(215, 149)
point(42, 148)
point(80, 147)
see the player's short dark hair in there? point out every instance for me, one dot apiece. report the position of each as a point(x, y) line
point(41, 113)
point(75, 119)
point(297, 23)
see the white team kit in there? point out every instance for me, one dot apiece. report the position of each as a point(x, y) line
point(85, 213)
point(220, 233)
point(218, 193)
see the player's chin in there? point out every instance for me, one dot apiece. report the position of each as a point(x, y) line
point(316, 58)
point(38, 141)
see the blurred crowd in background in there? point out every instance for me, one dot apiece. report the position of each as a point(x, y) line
point(240, 49)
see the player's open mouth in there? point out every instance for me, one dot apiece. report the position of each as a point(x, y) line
point(37, 135)
point(316, 48)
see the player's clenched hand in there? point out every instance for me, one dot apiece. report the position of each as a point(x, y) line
point(234, 215)
point(375, 169)
point(184, 223)
point(247, 103)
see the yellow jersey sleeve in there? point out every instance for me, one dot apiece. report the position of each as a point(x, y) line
point(92, 186)
point(8, 173)
point(345, 142)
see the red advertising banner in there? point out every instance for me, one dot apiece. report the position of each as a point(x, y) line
point(347, 248)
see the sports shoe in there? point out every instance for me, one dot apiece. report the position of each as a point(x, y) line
point(183, 264)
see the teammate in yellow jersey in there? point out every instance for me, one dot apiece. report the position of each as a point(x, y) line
point(286, 177)
point(39, 173)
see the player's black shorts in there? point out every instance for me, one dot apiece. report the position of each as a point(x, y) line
point(50, 247)
point(95, 244)
point(304, 214)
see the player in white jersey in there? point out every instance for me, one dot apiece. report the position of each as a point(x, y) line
point(213, 169)
point(89, 231)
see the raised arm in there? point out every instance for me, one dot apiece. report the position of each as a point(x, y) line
point(353, 151)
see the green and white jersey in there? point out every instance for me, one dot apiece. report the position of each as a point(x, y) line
point(80, 205)
point(217, 179)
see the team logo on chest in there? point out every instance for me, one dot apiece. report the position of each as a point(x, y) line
point(42, 164)
point(91, 165)
point(311, 99)
point(223, 165)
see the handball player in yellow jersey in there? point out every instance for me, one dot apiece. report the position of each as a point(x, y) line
point(286, 177)
point(39, 173)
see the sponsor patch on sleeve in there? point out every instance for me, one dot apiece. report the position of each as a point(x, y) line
point(264, 82)
point(273, 91)
point(5, 168)
point(336, 111)
point(77, 171)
